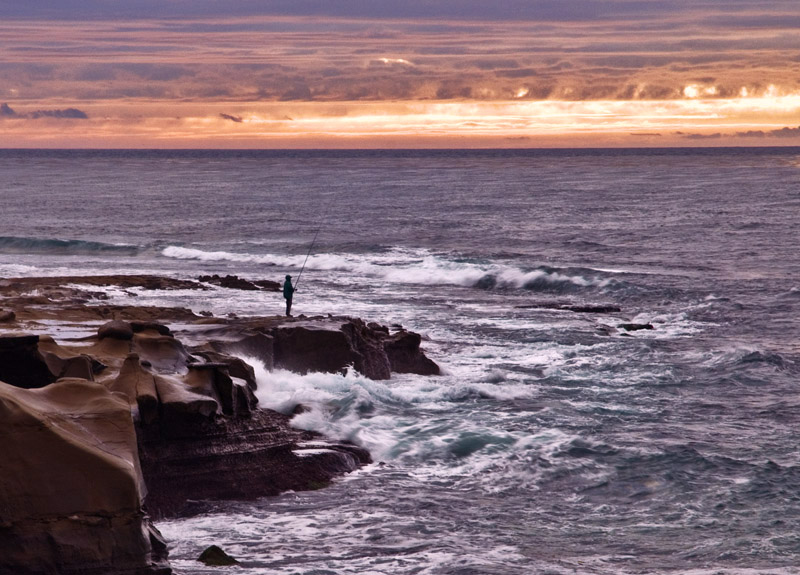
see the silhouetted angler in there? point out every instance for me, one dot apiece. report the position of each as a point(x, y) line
point(288, 292)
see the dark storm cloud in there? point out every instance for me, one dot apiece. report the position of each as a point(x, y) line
point(237, 119)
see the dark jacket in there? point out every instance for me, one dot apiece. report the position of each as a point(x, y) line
point(288, 290)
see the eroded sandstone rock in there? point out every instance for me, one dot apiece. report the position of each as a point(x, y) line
point(31, 361)
point(139, 386)
point(71, 492)
point(116, 329)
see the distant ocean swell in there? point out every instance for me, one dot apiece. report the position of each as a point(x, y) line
point(54, 246)
point(421, 267)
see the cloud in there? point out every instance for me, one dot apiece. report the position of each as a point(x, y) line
point(66, 113)
point(785, 133)
point(298, 92)
point(630, 58)
point(237, 119)
point(737, 12)
point(715, 136)
point(779, 133)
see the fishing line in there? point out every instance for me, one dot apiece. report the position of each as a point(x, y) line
point(311, 247)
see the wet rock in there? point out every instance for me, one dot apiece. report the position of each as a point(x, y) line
point(257, 346)
point(310, 347)
point(116, 329)
point(214, 556)
point(330, 347)
point(593, 308)
point(268, 285)
point(405, 356)
point(230, 282)
point(374, 363)
point(334, 344)
point(235, 282)
point(635, 326)
point(71, 489)
point(237, 459)
point(7, 316)
point(577, 308)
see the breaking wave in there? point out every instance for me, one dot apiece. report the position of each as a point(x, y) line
point(418, 267)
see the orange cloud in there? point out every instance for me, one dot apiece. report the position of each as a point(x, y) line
point(282, 80)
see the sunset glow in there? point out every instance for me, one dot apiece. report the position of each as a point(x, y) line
point(672, 76)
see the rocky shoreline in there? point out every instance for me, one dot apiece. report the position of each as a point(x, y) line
point(147, 412)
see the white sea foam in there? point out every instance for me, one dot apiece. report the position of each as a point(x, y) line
point(10, 270)
point(407, 266)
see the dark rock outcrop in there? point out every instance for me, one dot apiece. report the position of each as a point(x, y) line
point(218, 458)
point(635, 326)
point(7, 316)
point(334, 344)
point(405, 356)
point(577, 308)
point(214, 556)
point(235, 282)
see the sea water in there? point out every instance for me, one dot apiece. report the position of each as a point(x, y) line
point(556, 441)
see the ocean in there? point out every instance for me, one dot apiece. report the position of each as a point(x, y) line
point(618, 330)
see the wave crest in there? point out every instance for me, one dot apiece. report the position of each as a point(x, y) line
point(19, 245)
point(417, 267)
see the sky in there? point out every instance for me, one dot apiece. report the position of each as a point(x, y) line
point(418, 73)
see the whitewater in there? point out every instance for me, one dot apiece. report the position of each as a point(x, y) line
point(558, 440)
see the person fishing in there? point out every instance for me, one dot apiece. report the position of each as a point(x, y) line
point(288, 289)
point(288, 292)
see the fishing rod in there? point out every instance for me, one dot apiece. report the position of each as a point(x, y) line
point(311, 247)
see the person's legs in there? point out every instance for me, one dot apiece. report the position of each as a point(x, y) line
point(288, 306)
